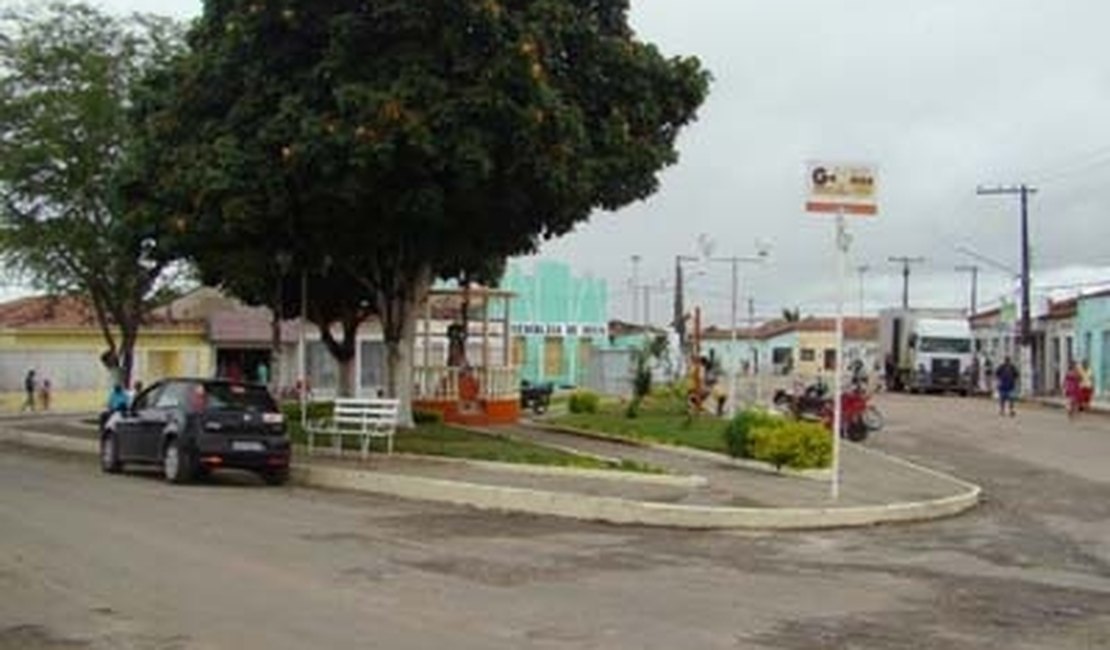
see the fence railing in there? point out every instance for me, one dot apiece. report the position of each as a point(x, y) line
point(453, 383)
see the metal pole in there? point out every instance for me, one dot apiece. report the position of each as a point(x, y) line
point(734, 359)
point(861, 269)
point(754, 351)
point(635, 287)
point(301, 352)
point(838, 410)
point(1026, 360)
point(905, 262)
point(974, 285)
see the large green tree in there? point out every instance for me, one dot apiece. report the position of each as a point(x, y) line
point(68, 74)
point(410, 139)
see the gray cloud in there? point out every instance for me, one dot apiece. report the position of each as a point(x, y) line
point(942, 95)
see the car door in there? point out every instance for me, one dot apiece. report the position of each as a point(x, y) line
point(157, 415)
point(128, 425)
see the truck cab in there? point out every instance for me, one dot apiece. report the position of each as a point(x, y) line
point(941, 355)
point(927, 350)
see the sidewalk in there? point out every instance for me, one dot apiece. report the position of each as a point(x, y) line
point(701, 490)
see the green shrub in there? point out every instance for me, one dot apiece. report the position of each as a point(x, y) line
point(292, 413)
point(797, 445)
point(426, 416)
point(739, 429)
point(584, 401)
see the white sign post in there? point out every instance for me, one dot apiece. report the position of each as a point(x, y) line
point(836, 188)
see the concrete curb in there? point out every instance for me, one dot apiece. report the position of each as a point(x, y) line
point(50, 441)
point(587, 507)
point(623, 511)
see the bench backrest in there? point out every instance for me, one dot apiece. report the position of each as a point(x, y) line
point(358, 413)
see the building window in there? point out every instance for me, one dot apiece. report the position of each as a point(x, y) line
point(552, 357)
point(372, 368)
point(808, 355)
point(830, 359)
point(323, 372)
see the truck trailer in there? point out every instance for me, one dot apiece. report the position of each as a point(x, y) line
point(926, 350)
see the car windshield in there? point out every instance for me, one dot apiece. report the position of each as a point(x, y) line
point(949, 345)
point(238, 397)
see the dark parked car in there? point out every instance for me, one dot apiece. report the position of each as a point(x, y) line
point(193, 426)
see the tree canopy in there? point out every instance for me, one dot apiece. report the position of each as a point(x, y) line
point(409, 139)
point(68, 75)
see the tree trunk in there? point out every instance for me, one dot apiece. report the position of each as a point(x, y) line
point(130, 334)
point(346, 377)
point(398, 314)
point(343, 351)
point(274, 374)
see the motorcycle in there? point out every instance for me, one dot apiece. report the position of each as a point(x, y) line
point(858, 416)
point(536, 397)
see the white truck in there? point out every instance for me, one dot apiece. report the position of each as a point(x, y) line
point(926, 350)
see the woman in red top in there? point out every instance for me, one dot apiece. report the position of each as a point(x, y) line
point(1072, 389)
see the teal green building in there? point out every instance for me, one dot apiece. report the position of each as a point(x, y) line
point(557, 320)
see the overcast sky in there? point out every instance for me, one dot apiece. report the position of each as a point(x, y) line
point(943, 96)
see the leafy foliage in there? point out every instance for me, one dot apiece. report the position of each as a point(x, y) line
point(583, 401)
point(68, 78)
point(738, 431)
point(405, 140)
point(793, 444)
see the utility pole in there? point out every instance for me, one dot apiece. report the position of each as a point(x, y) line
point(735, 361)
point(974, 269)
point(1022, 191)
point(905, 262)
point(679, 300)
point(861, 269)
point(635, 286)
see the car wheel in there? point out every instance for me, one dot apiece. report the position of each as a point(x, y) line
point(109, 454)
point(177, 466)
point(873, 418)
point(276, 477)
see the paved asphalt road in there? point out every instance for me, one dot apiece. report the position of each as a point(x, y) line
point(91, 561)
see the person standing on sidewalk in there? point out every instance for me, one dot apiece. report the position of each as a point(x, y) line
point(44, 393)
point(29, 389)
point(1086, 385)
point(1072, 389)
point(1007, 376)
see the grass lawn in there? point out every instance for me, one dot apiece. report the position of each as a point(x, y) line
point(452, 442)
point(658, 421)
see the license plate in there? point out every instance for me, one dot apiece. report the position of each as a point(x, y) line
point(247, 445)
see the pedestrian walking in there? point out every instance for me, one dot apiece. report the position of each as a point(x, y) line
point(1072, 389)
point(1086, 385)
point(1007, 378)
point(29, 384)
point(44, 393)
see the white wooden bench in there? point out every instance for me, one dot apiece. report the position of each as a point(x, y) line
point(365, 418)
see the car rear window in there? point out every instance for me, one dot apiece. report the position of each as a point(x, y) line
point(238, 397)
